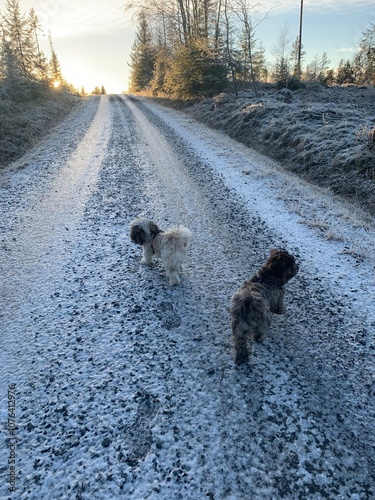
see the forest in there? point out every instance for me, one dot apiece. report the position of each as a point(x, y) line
point(198, 48)
point(33, 93)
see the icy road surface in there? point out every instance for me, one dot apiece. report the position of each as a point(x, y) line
point(126, 387)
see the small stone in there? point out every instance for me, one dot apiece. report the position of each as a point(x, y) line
point(106, 442)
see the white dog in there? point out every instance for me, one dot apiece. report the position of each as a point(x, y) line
point(170, 246)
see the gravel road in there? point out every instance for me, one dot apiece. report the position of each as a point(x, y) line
point(126, 387)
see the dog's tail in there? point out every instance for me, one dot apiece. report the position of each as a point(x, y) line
point(184, 235)
point(180, 235)
point(240, 304)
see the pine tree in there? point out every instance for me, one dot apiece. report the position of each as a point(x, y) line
point(296, 58)
point(282, 52)
point(54, 65)
point(40, 64)
point(15, 41)
point(344, 72)
point(142, 56)
point(365, 59)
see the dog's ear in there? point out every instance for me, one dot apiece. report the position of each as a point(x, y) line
point(137, 234)
point(274, 253)
point(154, 229)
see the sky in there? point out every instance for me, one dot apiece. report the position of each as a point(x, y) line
point(93, 39)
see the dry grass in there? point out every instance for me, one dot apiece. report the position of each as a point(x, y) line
point(325, 136)
point(24, 122)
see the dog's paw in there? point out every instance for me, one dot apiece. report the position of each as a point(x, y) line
point(174, 280)
point(146, 262)
point(279, 311)
point(241, 357)
point(259, 337)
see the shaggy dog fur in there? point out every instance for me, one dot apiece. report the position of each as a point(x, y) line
point(253, 304)
point(170, 246)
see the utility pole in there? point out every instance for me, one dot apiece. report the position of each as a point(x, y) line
point(300, 42)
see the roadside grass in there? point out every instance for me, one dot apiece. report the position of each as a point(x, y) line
point(24, 120)
point(325, 136)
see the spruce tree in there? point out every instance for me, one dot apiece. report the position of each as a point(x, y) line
point(282, 53)
point(54, 65)
point(195, 71)
point(344, 72)
point(365, 59)
point(282, 72)
point(142, 56)
point(40, 64)
point(15, 41)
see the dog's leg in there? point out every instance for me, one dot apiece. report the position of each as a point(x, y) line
point(279, 306)
point(241, 351)
point(240, 344)
point(172, 263)
point(148, 253)
point(261, 327)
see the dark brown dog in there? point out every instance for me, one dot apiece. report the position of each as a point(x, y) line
point(253, 304)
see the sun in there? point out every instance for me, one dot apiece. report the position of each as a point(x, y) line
point(56, 84)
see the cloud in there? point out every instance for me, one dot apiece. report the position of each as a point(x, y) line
point(65, 18)
point(347, 50)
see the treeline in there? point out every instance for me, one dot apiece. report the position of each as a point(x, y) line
point(99, 90)
point(33, 94)
point(361, 70)
point(25, 71)
point(198, 48)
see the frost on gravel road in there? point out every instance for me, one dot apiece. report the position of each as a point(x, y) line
point(126, 387)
